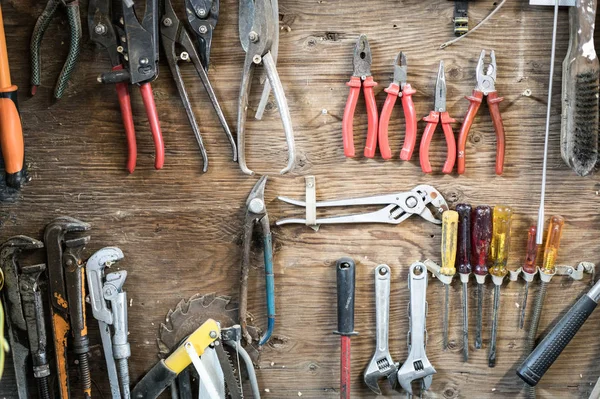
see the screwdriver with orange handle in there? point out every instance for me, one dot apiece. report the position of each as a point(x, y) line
point(449, 244)
point(499, 247)
point(529, 269)
point(11, 131)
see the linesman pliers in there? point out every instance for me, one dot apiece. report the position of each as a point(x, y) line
point(361, 77)
point(133, 50)
point(434, 117)
point(258, 28)
point(174, 34)
point(486, 86)
point(43, 21)
point(399, 88)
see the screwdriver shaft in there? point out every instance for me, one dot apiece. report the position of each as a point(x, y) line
point(492, 358)
point(446, 311)
point(479, 316)
point(524, 305)
point(465, 306)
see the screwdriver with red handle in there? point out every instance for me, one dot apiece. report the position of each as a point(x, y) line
point(346, 272)
point(481, 235)
point(529, 269)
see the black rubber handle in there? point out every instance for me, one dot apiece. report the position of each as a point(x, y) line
point(539, 361)
point(346, 275)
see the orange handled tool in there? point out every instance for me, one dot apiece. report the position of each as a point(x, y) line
point(398, 88)
point(434, 117)
point(361, 77)
point(11, 131)
point(486, 86)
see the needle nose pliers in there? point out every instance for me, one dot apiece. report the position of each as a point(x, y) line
point(486, 86)
point(43, 21)
point(361, 76)
point(434, 117)
point(399, 88)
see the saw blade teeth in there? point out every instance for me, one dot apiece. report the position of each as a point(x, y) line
point(163, 349)
point(208, 298)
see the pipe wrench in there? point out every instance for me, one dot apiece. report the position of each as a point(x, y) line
point(105, 290)
point(417, 366)
point(381, 365)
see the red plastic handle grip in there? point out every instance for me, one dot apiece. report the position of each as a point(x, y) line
point(127, 115)
point(159, 145)
point(410, 119)
point(532, 250)
point(450, 142)
point(432, 121)
point(372, 116)
point(348, 120)
point(493, 100)
point(393, 90)
point(474, 104)
point(481, 236)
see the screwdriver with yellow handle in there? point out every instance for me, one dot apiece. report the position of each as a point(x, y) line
point(449, 242)
point(11, 131)
point(499, 246)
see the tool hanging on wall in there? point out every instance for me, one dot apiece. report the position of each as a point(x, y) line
point(42, 23)
point(499, 249)
point(481, 235)
point(25, 316)
point(417, 366)
point(398, 88)
point(439, 114)
point(345, 273)
point(133, 50)
point(486, 86)
point(11, 130)
point(174, 34)
point(67, 298)
point(256, 213)
point(109, 307)
point(361, 76)
point(381, 364)
point(529, 269)
point(461, 17)
point(258, 28)
point(423, 200)
point(463, 264)
point(580, 91)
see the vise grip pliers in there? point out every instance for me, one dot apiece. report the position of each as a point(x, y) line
point(423, 200)
point(109, 307)
point(133, 50)
point(258, 27)
point(202, 16)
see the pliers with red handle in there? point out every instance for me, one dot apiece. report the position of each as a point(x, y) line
point(486, 86)
point(133, 51)
point(361, 77)
point(434, 117)
point(399, 88)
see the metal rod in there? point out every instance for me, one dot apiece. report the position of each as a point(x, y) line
point(540, 224)
point(479, 316)
point(523, 306)
point(465, 306)
point(492, 357)
point(446, 311)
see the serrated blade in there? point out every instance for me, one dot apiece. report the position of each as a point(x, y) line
point(234, 387)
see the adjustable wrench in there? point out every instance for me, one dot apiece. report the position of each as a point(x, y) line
point(381, 365)
point(417, 366)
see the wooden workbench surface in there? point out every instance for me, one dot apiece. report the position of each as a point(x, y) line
point(180, 229)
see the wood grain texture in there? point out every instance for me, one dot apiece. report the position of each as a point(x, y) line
point(180, 229)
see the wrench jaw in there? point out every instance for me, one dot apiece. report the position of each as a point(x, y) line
point(416, 369)
point(379, 368)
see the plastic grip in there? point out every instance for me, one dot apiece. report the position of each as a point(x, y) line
point(532, 250)
point(450, 142)
point(127, 115)
point(481, 235)
point(393, 90)
point(493, 100)
point(463, 256)
point(432, 121)
point(270, 287)
point(346, 275)
point(474, 104)
point(410, 120)
point(11, 132)
point(348, 119)
point(159, 145)
point(449, 242)
point(372, 117)
point(548, 350)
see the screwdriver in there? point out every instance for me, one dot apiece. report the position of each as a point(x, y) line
point(463, 264)
point(546, 273)
point(499, 253)
point(481, 235)
point(449, 238)
point(529, 269)
point(345, 309)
